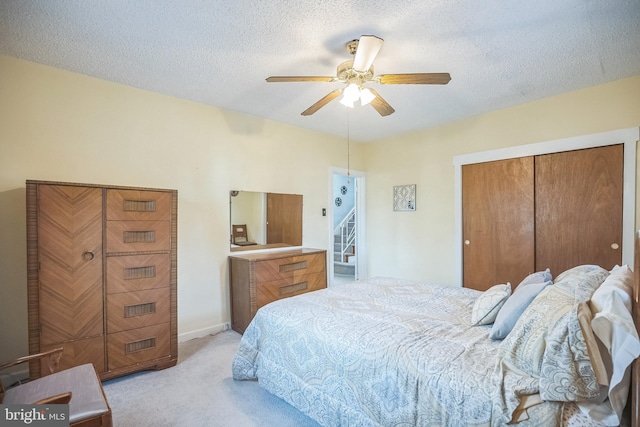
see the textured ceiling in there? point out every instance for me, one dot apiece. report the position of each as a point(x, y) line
point(219, 52)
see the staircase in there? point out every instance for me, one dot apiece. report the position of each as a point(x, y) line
point(344, 249)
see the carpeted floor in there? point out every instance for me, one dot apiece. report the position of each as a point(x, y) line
point(199, 391)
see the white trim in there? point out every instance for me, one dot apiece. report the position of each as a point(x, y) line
point(361, 253)
point(200, 333)
point(252, 251)
point(629, 137)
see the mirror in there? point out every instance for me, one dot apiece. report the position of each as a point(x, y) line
point(265, 220)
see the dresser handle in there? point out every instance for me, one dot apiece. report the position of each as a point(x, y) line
point(300, 265)
point(296, 287)
point(88, 255)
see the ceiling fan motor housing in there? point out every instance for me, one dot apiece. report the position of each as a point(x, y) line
point(347, 74)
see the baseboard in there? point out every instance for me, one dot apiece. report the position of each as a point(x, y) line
point(200, 333)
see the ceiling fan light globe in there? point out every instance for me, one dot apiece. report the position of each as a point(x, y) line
point(366, 96)
point(346, 102)
point(351, 93)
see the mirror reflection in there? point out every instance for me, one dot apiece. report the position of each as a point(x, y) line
point(265, 220)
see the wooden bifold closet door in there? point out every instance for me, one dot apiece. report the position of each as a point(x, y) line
point(498, 221)
point(579, 208)
point(551, 211)
point(284, 219)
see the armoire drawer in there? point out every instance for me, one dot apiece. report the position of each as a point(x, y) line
point(138, 236)
point(137, 345)
point(133, 310)
point(137, 205)
point(137, 272)
point(272, 291)
point(289, 268)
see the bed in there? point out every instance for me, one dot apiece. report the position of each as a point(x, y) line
point(392, 352)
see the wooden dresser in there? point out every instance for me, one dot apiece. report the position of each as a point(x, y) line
point(102, 276)
point(263, 277)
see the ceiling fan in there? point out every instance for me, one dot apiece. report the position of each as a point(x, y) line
point(358, 71)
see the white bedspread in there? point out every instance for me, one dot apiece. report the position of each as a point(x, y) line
point(385, 352)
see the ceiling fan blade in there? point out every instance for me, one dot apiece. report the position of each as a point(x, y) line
point(276, 79)
point(381, 105)
point(324, 101)
point(368, 48)
point(414, 79)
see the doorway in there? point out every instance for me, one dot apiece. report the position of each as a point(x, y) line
point(346, 222)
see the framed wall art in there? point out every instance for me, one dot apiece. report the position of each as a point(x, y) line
point(404, 197)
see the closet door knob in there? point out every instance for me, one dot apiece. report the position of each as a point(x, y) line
point(88, 255)
point(466, 242)
point(614, 246)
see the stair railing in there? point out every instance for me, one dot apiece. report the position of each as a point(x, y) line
point(347, 230)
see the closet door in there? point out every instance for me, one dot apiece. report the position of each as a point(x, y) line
point(284, 219)
point(579, 208)
point(70, 273)
point(498, 229)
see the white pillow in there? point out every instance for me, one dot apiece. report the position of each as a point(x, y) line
point(620, 281)
point(613, 325)
point(486, 307)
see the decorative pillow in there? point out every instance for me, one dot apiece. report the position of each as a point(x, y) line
point(515, 306)
point(566, 372)
point(537, 277)
point(486, 307)
point(576, 271)
point(547, 343)
point(571, 287)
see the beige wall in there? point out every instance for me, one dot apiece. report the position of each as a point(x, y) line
point(420, 244)
point(60, 126)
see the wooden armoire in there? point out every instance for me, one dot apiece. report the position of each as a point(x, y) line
point(102, 276)
point(551, 211)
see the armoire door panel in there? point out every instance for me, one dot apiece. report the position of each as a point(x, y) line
point(579, 208)
point(498, 228)
point(74, 353)
point(70, 261)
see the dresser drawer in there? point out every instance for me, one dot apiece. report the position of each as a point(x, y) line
point(272, 291)
point(137, 309)
point(289, 268)
point(138, 236)
point(137, 272)
point(138, 345)
point(138, 205)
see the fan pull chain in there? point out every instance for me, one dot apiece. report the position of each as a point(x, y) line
point(348, 151)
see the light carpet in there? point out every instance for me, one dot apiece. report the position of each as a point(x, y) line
point(199, 391)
